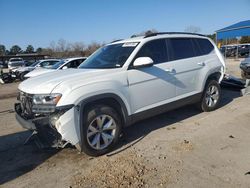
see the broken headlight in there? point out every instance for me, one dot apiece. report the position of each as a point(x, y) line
point(45, 103)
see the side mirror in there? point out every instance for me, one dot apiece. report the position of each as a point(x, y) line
point(143, 62)
point(65, 67)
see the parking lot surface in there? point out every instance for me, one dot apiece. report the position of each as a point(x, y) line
point(181, 148)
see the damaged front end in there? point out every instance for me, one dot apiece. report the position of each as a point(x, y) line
point(53, 126)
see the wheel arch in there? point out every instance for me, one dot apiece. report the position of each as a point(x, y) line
point(108, 99)
point(214, 76)
point(217, 75)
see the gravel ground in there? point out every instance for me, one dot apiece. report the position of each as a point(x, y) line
point(181, 148)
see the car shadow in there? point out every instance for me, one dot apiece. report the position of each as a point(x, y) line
point(136, 132)
point(17, 158)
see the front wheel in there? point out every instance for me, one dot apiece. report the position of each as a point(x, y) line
point(211, 96)
point(22, 78)
point(101, 130)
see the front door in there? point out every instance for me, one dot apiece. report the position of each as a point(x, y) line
point(150, 87)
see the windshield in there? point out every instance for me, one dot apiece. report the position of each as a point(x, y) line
point(56, 66)
point(110, 56)
point(34, 64)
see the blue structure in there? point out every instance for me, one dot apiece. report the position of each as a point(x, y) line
point(236, 30)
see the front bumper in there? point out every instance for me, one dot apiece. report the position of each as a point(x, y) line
point(27, 122)
point(65, 129)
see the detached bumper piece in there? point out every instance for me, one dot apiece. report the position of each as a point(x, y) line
point(42, 133)
point(234, 83)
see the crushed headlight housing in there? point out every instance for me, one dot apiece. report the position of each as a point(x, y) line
point(45, 103)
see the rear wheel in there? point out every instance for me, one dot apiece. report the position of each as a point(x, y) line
point(211, 96)
point(101, 130)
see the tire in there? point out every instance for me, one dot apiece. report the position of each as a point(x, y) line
point(22, 78)
point(96, 140)
point(211, 96)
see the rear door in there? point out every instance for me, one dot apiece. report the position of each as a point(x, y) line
point(187, 64)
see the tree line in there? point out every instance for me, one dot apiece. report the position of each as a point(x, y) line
point(59, 49)
point(62, 48)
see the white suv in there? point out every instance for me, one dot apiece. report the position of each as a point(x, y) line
point(121, 83)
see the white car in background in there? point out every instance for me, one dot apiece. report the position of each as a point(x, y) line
point(63, 64)
point(46, 63)
point(15, 63)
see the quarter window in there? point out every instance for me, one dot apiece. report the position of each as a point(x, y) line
point(205, 46)
point(156, 50)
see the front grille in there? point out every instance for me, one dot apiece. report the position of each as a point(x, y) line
point(26, 104)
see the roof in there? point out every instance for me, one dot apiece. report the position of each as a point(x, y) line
point(236, 30)
point(158, 36)
point(239, 25)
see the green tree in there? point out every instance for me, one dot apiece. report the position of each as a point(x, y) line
point(2, 49)
point(212, 36)
point(15, 50)
point(245, 39)
point(39, 50)
point(29, 49)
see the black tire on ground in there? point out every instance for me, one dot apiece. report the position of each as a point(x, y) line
point(22, 76)
point(204, 104)
point(90, 117)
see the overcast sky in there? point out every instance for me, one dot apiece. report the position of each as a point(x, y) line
point(38, 23)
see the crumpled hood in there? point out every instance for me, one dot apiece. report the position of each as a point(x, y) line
point(68, 79)
point(38, 71)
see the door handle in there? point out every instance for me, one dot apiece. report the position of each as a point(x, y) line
point(201, 64)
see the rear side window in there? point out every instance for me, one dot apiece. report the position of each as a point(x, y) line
point(181, 48)
point(156, 50)
point(74, 63)
point(205, 46)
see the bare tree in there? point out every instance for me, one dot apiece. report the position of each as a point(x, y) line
point(147, 32)
point(77, 48)
point(62, 45)
point(92, 48)
point(192, 29)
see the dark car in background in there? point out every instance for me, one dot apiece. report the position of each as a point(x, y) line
point(244, 50)
point(245, 68)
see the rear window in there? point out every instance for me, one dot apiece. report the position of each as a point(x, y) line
point(14, 60)
point(204, 45)
point(181, 48)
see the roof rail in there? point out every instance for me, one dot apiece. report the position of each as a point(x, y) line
point(116, 40)
point(171, 33)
